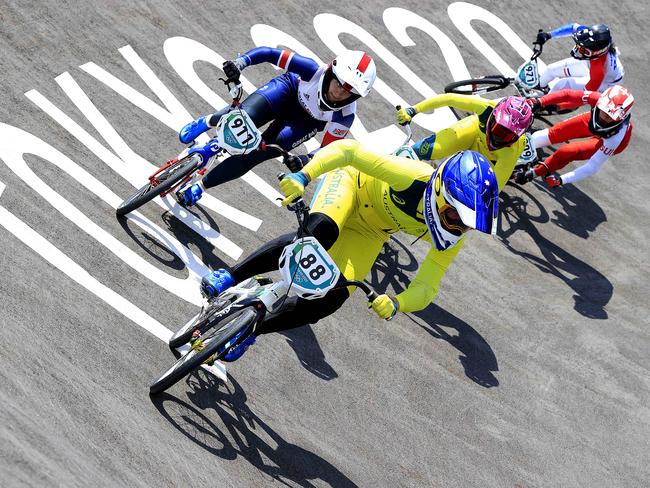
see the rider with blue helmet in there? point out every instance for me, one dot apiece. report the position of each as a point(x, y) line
point(366, 197)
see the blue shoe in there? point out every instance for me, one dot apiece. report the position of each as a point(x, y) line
point(194, 129)
point(216, 282)
point(189, 196)
point(238, 351)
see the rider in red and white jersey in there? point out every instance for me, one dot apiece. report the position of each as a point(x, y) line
point(594, 63)
point(608, 127)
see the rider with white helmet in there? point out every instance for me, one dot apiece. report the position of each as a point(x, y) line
point(307, 99)
point(602, 132)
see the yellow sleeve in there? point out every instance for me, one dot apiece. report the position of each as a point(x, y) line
point(424, 287)
point(461, 102)
point(398, 172)
point(506, 160)
point(457, 137)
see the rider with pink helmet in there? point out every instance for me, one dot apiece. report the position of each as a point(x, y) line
point(494, 130)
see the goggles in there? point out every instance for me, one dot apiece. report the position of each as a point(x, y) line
point(451, 221)
point(588, 53)
point(500, 136)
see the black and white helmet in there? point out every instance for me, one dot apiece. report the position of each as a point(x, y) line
point(591, 42)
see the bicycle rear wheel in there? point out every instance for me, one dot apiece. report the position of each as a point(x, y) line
point(216, 342)
point(478, 86)
point(166, 178)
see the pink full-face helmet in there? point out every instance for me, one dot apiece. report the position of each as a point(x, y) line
point(509, 120)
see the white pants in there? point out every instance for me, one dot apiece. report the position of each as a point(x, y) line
point(567, 74)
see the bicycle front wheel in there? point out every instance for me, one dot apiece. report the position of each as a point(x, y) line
point(478, 86)
point(167, 178)
point(216, 342)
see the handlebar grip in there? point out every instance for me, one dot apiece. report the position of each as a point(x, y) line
point(372, 296)
point(398, 107)
point(281, 175)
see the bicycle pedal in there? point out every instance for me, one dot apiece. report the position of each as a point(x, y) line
point(263, 280)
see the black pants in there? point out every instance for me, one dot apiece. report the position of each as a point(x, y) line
point(233, 167)
point(297, 311)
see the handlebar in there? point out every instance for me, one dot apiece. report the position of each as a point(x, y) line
point(371, 294)
point(236, 90)
point(538, 47)
point(407, 126)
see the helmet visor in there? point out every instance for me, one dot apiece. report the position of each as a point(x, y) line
point(499, 135)
point(451, 221)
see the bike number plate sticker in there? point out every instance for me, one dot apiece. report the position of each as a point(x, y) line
point(528, 75)
point(529, 154)
point(308, 268)
point(237, 133)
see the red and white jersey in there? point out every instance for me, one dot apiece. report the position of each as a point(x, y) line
point(605, 71)
point(581, 74)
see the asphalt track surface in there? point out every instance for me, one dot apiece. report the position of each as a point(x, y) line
point(530, 370)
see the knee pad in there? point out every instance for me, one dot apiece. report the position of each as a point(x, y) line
point(323, 228)
point(424, 147)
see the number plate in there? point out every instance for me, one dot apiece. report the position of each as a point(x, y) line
point(308, 268)
point(529, 154)
point(528, 75)
point(237, 133)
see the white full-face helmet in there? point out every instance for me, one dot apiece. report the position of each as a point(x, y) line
point(355, 71)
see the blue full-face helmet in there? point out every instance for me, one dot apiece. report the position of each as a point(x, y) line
point(462, 194)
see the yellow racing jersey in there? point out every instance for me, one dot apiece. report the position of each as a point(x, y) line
point(468, 133)
point(390, 199)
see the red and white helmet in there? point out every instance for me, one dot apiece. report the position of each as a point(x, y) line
point(355, 71)
point(616, 103)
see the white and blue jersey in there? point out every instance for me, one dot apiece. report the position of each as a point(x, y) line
point(294, 96)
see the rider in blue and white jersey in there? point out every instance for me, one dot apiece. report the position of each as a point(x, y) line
point(308, 98)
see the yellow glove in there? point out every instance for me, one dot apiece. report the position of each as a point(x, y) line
point(404, 115)
point(384, 306)
point(293, 186)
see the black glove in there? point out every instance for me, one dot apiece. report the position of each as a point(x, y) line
point(535, 104)
point(295, 163)
point(231, 70)
point(542, 37)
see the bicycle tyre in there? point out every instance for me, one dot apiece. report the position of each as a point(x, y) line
point(477, 86)
point(211, 344)
point(201, 321)
point(168, 178)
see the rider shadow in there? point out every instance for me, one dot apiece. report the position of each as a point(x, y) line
point(580, 215)
point(187, 236)
point(477, 357)
point(242, 433)
point(305, 345)
point(592, 290)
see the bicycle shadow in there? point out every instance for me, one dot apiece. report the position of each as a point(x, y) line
point(150, 245)
point(243, 433)
point(477, 357)
point(592, 289)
